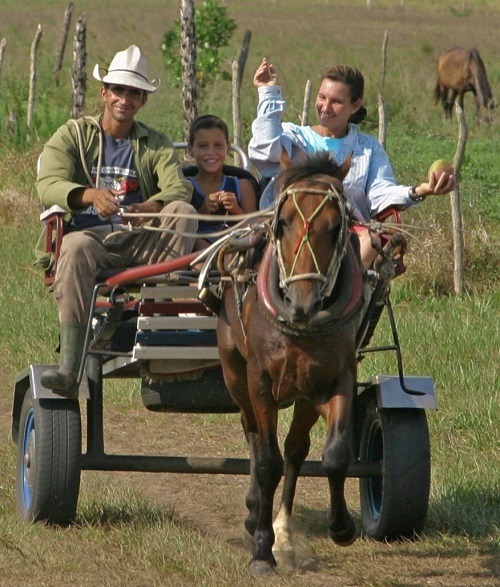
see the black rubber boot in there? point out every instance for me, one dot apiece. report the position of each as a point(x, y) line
point(63, 380)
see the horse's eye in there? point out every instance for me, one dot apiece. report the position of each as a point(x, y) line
point(280, 227)
point(334, 231)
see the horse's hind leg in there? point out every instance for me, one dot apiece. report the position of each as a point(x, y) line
point(236, 383)
point(336, 458)
point(252, 499)
point(234, 368)
point(297, 445)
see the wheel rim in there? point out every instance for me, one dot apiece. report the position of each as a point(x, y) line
point(375, 453)
point(28, 462)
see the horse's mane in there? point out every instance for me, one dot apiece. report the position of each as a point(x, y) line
point(310, 164)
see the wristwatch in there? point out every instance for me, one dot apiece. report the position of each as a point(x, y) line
point(412, 192)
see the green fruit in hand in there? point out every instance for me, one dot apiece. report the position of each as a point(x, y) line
point(439, 167)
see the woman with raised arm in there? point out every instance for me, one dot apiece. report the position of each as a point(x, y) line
point(370, 185)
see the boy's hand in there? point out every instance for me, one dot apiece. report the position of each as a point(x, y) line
point(211, 204)
point(228, 200)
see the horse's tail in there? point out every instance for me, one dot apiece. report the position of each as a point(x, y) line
point(474, 55)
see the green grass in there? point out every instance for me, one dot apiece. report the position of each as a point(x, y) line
point(456, 342)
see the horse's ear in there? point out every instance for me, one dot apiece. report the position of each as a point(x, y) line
point(285, 161)
point(299, 158)
point(346, 165)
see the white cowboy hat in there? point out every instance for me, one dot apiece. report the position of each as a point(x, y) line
point(128, 68)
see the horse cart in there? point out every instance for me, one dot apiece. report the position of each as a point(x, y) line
point(158, 323)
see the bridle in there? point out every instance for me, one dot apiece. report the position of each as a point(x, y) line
point(328, 279)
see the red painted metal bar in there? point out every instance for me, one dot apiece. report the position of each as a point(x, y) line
point(144, 271)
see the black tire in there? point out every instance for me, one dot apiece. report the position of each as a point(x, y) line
point(49, 458)
point(395, 505)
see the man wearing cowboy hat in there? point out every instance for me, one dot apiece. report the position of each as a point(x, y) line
point(94, 168)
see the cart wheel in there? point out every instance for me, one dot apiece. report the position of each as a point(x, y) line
point(394, 505)
point(48, 460)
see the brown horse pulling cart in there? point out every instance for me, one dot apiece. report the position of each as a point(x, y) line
point(295, 348)
point(459, 71)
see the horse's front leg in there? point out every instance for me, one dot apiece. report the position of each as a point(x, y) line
point(451, 101)
point(297, 446)
point(268, 468)
point(336, 459)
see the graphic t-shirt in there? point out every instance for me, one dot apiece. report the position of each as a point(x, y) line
point(117, 172)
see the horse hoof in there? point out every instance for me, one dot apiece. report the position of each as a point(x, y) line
point(346, 537)
point(260, 567)
point(292, 561)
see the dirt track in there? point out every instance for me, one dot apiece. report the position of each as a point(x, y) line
point(215, 504)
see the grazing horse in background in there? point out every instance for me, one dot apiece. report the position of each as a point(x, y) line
point(460, 71)
point(287, 336)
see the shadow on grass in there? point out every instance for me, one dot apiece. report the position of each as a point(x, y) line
point(473, 513)
point(133, 511)
point(466, 511)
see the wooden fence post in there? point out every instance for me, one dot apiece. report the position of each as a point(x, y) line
point(305, 107)
point(236, 76)
point(242, 57)
point(456, 208)
point(3, 44)
point(384, 60)
point(62, 44)
point(32, 90)
point(382, 110)
point(188, 63)
point(382, 121)
point(78, 74)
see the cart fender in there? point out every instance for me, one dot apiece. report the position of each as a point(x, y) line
point(390, 394)
point(29, 379)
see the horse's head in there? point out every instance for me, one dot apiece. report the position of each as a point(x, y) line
point(309, 231)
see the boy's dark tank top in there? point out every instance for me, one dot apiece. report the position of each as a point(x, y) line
point(228, 184)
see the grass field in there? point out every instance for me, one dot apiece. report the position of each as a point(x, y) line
point(159, 530)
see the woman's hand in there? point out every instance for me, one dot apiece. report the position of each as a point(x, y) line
point(265, 74)
point(445, 184)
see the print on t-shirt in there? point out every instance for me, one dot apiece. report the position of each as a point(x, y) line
point(118, 172)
